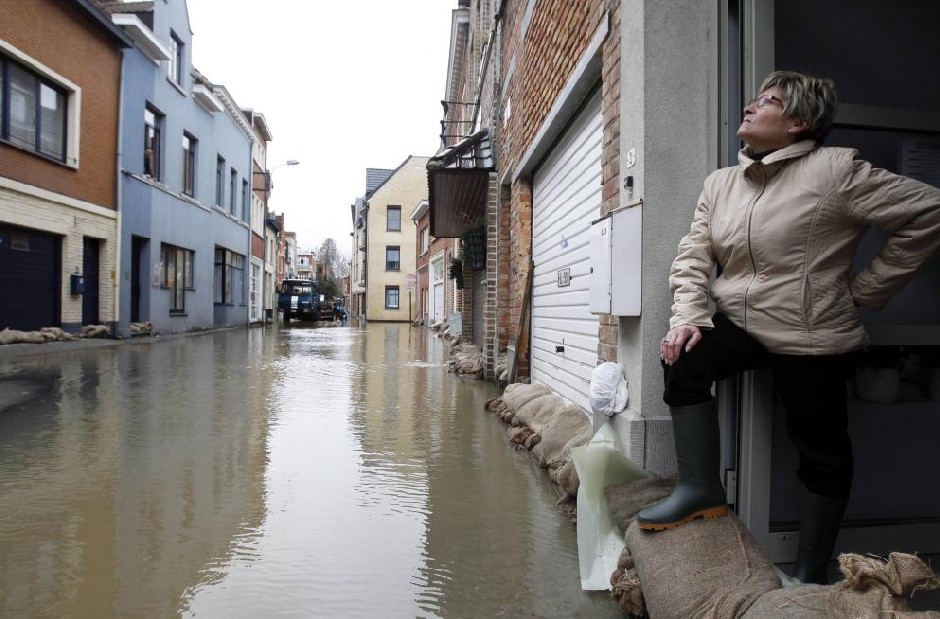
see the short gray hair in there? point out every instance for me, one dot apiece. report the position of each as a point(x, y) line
point(810, 99)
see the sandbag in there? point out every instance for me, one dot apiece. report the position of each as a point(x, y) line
point(539, 411)
point(799, 602)
point(517, 394)
point(710, 569)
point(12, 336)
point(874, 588)
point(626, 500)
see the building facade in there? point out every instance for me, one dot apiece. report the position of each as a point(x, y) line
point(59, 145)
point(186, 182)
point(390, 249)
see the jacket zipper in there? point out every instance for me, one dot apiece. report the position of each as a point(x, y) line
point(750, 252)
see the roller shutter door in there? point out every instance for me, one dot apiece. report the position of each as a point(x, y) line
point(566, 197)
point(29, 279)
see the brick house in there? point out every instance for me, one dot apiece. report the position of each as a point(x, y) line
point(437, 294)
point(602, 113)
point(59, 221)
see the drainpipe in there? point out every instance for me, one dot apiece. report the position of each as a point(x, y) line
point(119, 180)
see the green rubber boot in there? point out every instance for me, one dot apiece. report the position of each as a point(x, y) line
point(698, 492)
point(819, 528)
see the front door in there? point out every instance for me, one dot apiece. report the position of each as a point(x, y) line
point(893, 119)
point(91, 258)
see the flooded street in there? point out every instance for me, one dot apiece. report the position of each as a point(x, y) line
point(280, 472)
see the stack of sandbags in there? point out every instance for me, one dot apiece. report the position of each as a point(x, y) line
point(95, 331)
point(714, 569)
point(56, 334)
point(46, 334)
point(872, 588)
point(547, 426)
point(449, 335)
point(12, 336)
point(141, 328)
point(467, 360)
point(501, 367)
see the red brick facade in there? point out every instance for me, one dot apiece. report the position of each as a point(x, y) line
point(92, 61)
point(538, 64)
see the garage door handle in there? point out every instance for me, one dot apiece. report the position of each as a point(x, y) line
point(559, 349)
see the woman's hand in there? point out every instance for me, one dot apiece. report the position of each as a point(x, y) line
point(677, 340)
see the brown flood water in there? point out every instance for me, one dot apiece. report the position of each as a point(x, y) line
point(280, 472)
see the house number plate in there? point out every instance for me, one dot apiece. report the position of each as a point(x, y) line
point(564, 277)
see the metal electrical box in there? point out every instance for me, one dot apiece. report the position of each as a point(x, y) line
point(77, 284)
point(616, 262)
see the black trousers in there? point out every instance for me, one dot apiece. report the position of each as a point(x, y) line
point(811, 387)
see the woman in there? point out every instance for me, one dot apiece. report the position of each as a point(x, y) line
point(783, 227)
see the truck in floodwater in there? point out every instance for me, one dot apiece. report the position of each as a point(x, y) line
point(299, 298)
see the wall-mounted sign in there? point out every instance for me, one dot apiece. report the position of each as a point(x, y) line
point(564, 277)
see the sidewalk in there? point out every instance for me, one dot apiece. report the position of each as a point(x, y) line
point(12, 352)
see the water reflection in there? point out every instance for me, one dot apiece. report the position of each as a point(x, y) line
point(295, 472)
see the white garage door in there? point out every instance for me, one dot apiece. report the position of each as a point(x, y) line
point(566, 197)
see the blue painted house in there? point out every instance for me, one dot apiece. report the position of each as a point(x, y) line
point(185, 189)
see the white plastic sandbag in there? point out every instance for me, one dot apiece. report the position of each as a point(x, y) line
point(608, 394)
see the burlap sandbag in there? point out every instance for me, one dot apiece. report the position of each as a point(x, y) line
point(626, 500)
point(569, 428)
point(625, 586)
point(566, 476)
point(799, 602)
point(517, 394)
point(12, 336)
point(873, 588)
point(539, 412)
point(711, 569)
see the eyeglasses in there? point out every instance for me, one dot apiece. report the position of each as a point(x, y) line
point(764, 101)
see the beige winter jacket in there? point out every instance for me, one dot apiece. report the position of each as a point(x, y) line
point(784, 232)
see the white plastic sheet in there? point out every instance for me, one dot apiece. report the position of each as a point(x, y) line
point(600, 463)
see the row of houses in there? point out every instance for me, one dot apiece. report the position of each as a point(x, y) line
point(575, 139)
point(132, 188)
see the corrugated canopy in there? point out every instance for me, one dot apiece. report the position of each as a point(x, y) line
point(458, 184)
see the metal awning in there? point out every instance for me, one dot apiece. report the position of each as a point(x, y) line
point(458, 185)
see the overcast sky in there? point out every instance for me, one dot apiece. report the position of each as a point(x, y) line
point(343, 86)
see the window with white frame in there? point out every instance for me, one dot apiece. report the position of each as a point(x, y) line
point(153, 124)
point(33, 111)
point(219, 181)
point(246, 200)
point(392, 297)
point(174, 69)
point(189, 164)
point(232, 192)
point(425, 239)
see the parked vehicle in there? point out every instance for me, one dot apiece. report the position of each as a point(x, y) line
point(299, 298)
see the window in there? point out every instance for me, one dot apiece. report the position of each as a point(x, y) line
point(229, 277)
point(153, 121)
point(246, 199)
point(189, 164)
point(393, 258)
point(33, 111)
point(219, 181)
point(174, 69)
point(176, 274)
point(425, 239)
point(394, 218)
point(232, 191)
point(391, 297)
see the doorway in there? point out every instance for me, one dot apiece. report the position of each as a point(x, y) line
point(890, 111)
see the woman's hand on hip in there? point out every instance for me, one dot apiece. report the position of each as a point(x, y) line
point(678, 339)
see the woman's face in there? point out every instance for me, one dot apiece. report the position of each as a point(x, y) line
point(765, 126)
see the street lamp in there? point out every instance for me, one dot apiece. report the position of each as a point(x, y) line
point(270, 172)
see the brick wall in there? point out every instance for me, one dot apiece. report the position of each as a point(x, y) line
point(542, 45)
point(63, 38)
point(609, 331)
